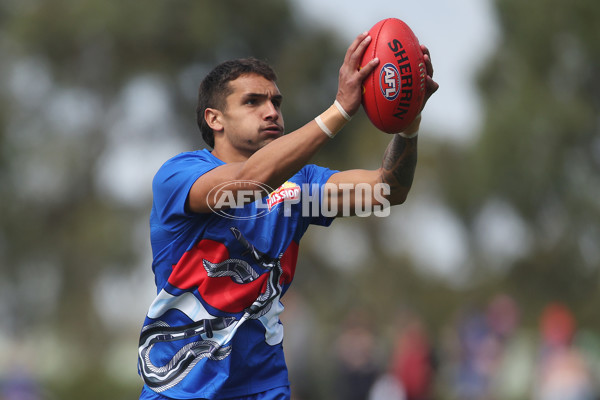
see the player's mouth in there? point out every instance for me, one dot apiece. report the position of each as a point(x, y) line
point(273, 130)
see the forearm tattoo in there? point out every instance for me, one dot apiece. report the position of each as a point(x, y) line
point(400, 162)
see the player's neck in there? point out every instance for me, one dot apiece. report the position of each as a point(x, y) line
point(229, 155)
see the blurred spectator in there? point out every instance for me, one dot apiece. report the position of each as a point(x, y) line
point(588, 341)
point(412, 363)
point(387, 387)
point(512, 375)
point(474, 352)
point(19, 384)
point(503, 316)
point(562, 372)
point(486, 356)
point(356, 364)
point(557, 327)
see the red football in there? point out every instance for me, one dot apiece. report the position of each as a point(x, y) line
point(393, 93)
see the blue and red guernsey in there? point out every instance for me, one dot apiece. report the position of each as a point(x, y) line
point(213, 330)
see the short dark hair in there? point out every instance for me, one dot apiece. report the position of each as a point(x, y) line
point(215, 88)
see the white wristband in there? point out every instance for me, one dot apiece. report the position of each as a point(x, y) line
point(346, 116)
point(414, 134)
point(332, 120)
point(409, 136)
point(324, 127)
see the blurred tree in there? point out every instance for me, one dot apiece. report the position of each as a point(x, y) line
point(537, 162)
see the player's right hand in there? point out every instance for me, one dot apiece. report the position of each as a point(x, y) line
point(352, 74)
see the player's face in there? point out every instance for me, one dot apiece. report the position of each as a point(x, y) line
point(252, 116)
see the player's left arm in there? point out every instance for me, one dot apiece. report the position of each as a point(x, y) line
point(387, 185)
point(393, 180)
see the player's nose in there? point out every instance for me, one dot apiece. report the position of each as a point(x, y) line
point(271, 112)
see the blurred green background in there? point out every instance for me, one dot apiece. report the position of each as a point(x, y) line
point(489, 270)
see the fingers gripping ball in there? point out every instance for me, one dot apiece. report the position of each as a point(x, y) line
point(394, 92)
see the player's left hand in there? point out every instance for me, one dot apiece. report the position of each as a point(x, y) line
point(431, 86)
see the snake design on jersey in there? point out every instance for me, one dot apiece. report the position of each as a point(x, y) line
point(161, 378)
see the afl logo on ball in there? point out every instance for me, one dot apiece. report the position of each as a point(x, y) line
point(389, 81)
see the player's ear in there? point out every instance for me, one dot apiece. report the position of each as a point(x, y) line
point(213, 117)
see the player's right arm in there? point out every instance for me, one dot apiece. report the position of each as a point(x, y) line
point(270, 166)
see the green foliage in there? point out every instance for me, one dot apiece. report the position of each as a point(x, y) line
point(539, 148)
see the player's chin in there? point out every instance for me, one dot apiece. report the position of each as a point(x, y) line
point(262, 142)
point(268, 136)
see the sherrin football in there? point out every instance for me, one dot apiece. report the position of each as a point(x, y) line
point(394, 92)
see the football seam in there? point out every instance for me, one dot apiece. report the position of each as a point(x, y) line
point(376, 82)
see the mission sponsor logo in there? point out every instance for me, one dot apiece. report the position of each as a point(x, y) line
point(288, 191)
